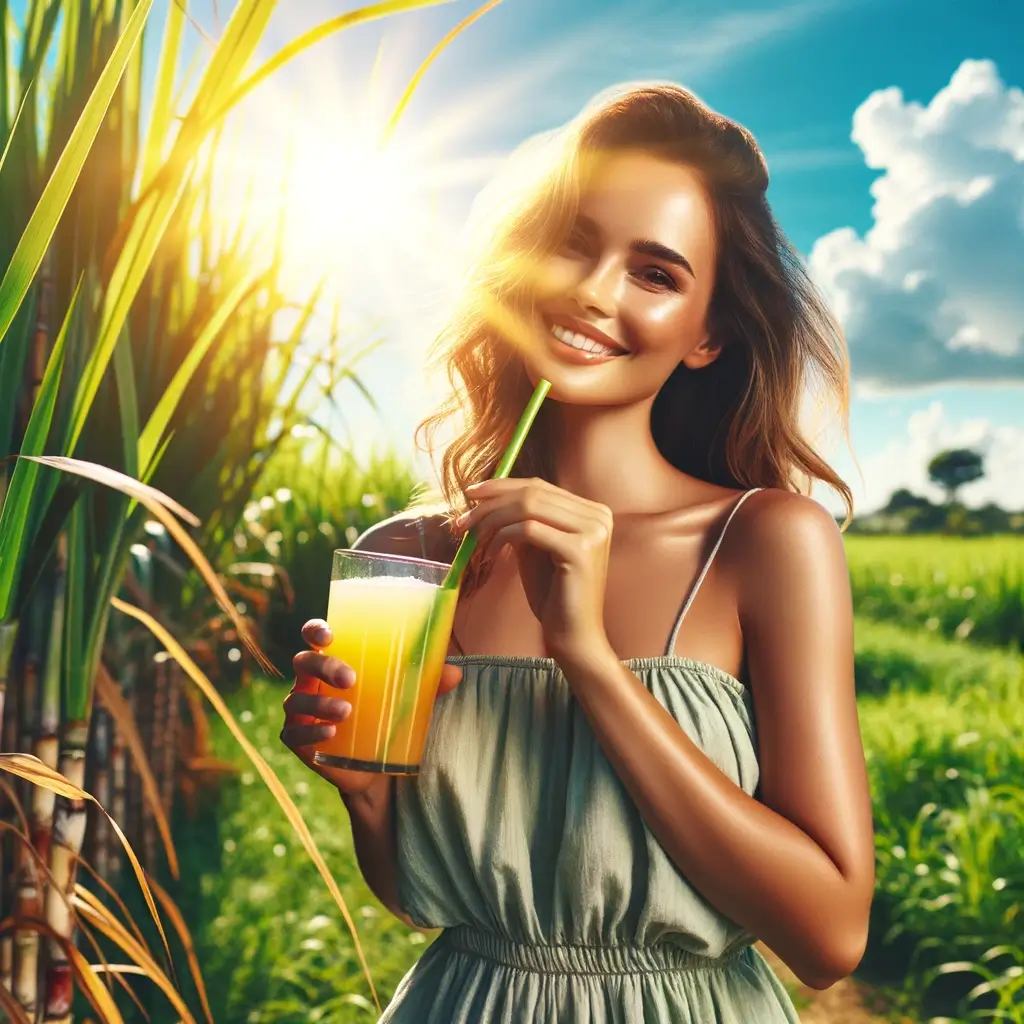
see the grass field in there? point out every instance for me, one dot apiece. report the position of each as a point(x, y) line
point(963, 589)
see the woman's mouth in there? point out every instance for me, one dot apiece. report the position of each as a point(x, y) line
point(578, 348)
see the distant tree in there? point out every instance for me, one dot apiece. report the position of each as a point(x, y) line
point(955, 467)
point(902, 499)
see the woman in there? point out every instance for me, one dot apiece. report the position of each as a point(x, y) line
point(598, 825)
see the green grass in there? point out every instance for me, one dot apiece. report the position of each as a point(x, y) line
point(960, 588)
point(941, 724)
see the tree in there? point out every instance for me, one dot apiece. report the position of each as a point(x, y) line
point(953, 468)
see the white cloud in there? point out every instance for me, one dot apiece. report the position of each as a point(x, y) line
point(934, 292)
point(903, 462)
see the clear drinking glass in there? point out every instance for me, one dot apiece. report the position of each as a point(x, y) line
point(391, 622)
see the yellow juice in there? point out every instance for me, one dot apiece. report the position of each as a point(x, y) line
point(381, 626)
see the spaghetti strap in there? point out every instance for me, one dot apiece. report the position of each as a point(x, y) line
point(704, 571)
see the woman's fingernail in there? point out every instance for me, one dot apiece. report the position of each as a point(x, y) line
point(322, 636)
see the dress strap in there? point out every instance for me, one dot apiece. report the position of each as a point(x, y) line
point(704, 571)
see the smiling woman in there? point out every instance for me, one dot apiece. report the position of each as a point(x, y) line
point(646, 756)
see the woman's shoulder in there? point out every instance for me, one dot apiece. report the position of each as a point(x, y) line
point(772, 515)
point(415, 533)
point(780, 539)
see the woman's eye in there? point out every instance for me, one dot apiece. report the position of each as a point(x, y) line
point(657, 276)
point(575, 243)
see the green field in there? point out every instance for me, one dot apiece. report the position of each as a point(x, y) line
point(942, 721)
point(965, 589)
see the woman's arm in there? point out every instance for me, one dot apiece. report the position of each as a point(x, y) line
point(796, 868)
point(371, 814)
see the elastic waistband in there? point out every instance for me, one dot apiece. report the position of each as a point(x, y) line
point(582, 959)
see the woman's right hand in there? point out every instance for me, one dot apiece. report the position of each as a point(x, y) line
point(304, 705)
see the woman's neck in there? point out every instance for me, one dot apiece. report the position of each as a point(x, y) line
point(607, 454)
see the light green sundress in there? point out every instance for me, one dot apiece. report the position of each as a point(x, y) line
point(558, 905)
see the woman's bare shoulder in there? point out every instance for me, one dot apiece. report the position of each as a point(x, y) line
point(413, 533)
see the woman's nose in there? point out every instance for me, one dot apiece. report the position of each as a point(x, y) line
point(597, 289)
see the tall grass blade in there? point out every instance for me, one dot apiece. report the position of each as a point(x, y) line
point(161, 506)
point(100, 916)
point(29, 767)
point(15, 535)
point(14, 128)
point(310, 38)
point(161, 415)
point(431, 57)
point(43, 223)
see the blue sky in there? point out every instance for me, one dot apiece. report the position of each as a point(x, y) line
point(921, 98)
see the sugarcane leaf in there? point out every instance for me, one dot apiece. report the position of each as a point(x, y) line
point(120, 482)
point(92, 910)
point(162, 104)
point(15, 531)
point(127, 404)
point(43, 223)
point(311, 38)
point(161, 415)
point(14, 128)
point(431, 57)
point(37, 772)
point(183, 933)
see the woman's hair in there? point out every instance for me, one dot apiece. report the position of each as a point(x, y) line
point(734, 422)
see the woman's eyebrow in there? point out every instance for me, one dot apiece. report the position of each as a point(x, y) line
point(648, 247)
point(642, 246)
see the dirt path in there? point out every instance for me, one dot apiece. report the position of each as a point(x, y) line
point(844, 1003)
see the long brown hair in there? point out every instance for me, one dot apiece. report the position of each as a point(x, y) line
point(735, 422)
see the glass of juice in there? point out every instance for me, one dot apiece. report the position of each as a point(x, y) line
point(391, 622)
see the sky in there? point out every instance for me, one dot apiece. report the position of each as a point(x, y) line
point(894, 136)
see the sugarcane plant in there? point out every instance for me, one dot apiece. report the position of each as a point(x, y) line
point(115, 338)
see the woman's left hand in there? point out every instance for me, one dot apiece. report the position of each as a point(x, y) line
point(562, 543)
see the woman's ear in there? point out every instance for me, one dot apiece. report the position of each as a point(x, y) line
point(704, 354)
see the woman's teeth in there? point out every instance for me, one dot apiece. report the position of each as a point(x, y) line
point(580, 341)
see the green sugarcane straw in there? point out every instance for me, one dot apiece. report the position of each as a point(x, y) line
point(453, 580)
point(465, 552)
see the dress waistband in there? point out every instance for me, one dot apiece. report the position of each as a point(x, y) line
point(556, 959)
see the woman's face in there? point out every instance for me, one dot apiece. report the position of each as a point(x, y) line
point(636, 274)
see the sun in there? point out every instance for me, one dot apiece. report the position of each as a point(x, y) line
point(356, 209)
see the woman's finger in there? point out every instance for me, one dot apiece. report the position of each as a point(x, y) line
point(332, 671)
point(317, 633)
point(316, 705)
point(298, 737)
point(451, 676)
point(552, 509)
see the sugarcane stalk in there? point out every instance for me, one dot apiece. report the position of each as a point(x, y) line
point(31, 883)
point(8, 641)
point(119, 771)
point(170, 747)
point(8, 843)
point(99, 762)
point(68, 833)
point(157, 718)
